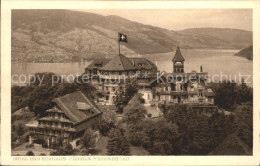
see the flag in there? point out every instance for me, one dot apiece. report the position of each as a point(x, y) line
point(122, 37)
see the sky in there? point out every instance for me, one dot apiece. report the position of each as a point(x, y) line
point(179, 19)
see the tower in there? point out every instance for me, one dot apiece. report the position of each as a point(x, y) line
point(178, 61)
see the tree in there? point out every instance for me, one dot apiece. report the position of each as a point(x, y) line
point(224, 94)
point(107, 122)
point(161, 136)
point(134, 111)
point(58, 143)
point(125, 94)
point(60, 147)
point(118, 143)
point(244, 122)
point(65, 149)
point(228, 94)
point(88, 141)
point(29, 153)
point(243, 94)
point(131, 88)
point(199, 134)
point(121, 101)
point(20, 130)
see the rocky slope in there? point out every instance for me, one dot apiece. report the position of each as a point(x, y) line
point(247, 53)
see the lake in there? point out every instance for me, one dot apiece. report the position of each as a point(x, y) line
point(213, 62)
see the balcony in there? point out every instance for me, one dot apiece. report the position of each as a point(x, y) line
point(201, 99)
point(172, 93)
point(115, 76)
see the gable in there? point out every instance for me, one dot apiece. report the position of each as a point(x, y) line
point(119, 63)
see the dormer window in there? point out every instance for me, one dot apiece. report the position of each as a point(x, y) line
point(83, 106)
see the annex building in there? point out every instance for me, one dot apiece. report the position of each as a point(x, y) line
point(181, 87)
point(69, 117)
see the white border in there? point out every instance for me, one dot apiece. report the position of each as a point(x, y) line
point(6, 157)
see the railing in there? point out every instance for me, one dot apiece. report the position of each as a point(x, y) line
point(115, 76)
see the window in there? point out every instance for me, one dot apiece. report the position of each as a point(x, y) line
point(94, 71)
point(93, 127)
point(169, 88)
point(77, 143)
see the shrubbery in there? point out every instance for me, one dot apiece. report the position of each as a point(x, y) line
point(117, 142)
point(29, 153)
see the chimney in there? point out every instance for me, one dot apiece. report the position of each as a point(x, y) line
point(201, 70)
point(156, 63)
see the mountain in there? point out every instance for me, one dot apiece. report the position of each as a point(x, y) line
point(247, 53)
point(233, 38)
point(72, 35)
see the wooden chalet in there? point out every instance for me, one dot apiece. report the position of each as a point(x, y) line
point(69, 117)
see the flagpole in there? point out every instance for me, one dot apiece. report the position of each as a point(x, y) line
point(119, 46)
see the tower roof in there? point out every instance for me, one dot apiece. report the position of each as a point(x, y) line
point(178, 56)
point(119, 63)
point(232, 145)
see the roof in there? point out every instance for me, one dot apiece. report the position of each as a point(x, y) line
point(83, 106)
point(209, 94)
point(185, 76)
point(33, 123)
point(178, 56)
point(119, 63)
point(55, 119)
point(102, 62)
point(55, 109)
point(68, 105)
point(146, 83)
point(21, 111)
point(178, 64)
point(147, 63)
point(232, 145)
